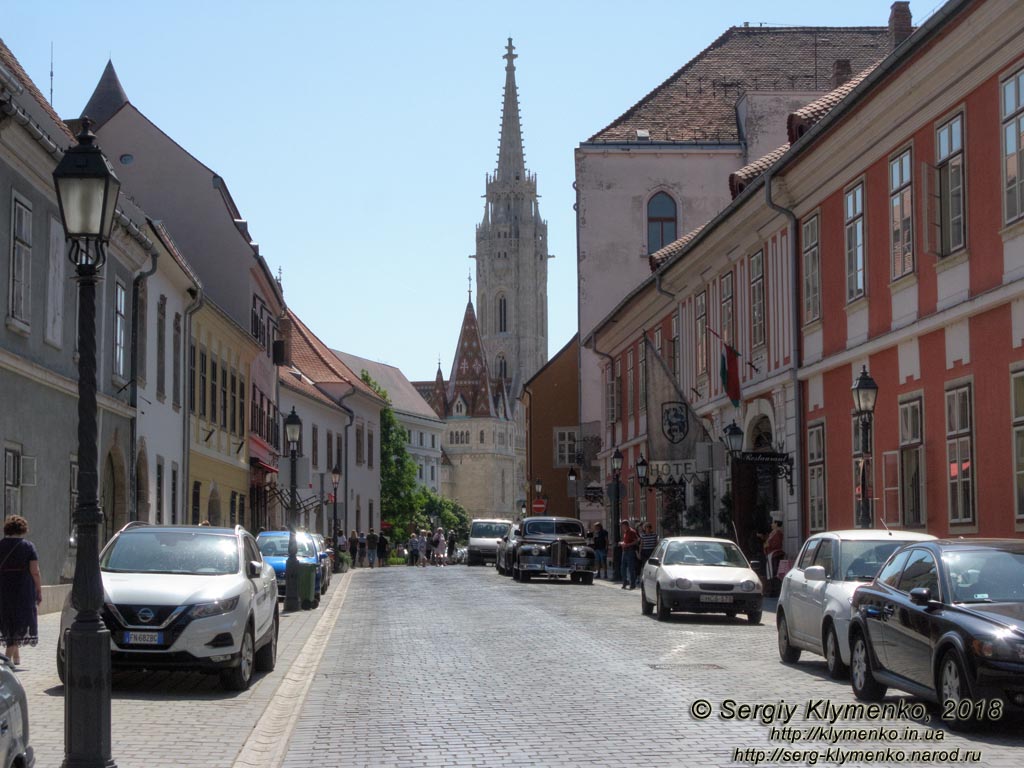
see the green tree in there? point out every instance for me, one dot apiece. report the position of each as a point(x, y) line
point(398, 489)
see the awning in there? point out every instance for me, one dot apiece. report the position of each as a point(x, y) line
point(261, 465)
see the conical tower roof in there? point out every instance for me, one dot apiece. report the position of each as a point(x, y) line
point(108, 97)
point(470, 378)
point(511, 163)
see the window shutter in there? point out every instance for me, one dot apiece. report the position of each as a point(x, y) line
point(28, 471)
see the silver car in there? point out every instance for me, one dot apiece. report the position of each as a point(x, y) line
point(14, 742)
point(814, 608)
point(193, 598)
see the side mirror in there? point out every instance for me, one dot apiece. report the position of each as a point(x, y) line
point(653, 561)
point(921, 596)
point(815, 573)
point(504, 538)
point(255, 569)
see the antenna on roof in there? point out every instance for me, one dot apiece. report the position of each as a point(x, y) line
point(51, 73)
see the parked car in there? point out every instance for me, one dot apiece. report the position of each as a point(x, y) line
point(15, 749)
point(814, 604)
point(700, 575)
point(944, 620)
point(553, 546)
point(506, 552)
point(193, 598)
point(326, 555)
point(274, 547)
point(484, 536)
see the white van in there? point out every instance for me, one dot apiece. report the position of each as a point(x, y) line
point(484, 535)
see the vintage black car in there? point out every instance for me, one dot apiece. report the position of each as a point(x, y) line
point(552, 546)
point(944, 620)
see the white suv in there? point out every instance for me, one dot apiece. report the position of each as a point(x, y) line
point(814, 609)
point(193, 598)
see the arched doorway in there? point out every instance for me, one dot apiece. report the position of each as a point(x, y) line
point(213, 508)
point(755, 489)
point(113, 495)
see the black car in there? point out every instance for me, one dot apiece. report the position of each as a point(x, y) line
point(552, 546)
point(944, 620)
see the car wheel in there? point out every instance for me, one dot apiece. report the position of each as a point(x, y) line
point(646, 606)
point(238, 678)
point(60, 662)
point(498, 568)
point(754, 617)
point(587, 578)
point(865, 686)
point(787, 652)
point(833, 659)
point(953, 687)
point(574, 578)
point(663, 611)
point(266, 657)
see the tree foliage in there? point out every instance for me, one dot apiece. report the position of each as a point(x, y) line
point(398, 489)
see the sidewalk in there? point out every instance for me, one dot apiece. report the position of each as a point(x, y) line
point(165, 719)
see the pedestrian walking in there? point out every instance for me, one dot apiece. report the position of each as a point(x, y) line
point(437, 546)
point(382, 549)
point(21, 589)
point(372, 540)
point(353, 547)
point(414, 549)
point(451, 546)
point(648, 541)
point(600, 551)
point(361, 549)
point(628, 544)
point(424, 542)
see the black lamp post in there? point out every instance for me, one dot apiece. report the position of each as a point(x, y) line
point(292, 432)
point(734, 438)
point(575, 492)
point(335, 479)
point(865, 394)
point(87, 191)
point(641, 471)
point(616, 472)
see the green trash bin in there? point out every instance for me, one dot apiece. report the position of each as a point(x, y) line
point(307, 585)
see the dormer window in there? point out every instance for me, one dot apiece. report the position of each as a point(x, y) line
point(460, 408)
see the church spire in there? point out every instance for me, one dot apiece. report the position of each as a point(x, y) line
point(107, 99)
point(511, 165)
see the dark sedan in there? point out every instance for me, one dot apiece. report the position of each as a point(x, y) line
point(944, 620)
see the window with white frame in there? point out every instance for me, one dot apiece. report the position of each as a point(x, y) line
point(1017, 393)
point(642, 373)
point(911, 463)
point(20, 285)
point(55, 285)
point(812, 270)
point(950, 158)
point(757, 299)
point(161, 346)
point(853, 219)
point(673, 351)
point(176, 361)
point(120, 330)
point(657, 340)
point(816, 476)
point(1013, 146)
point(369, 448)
point(960, 467)
point(565, 447)
point(901, 215)
point(700, 330)
point(314, 449)
point(629, 383)
point(360, 446)
point(727, 309)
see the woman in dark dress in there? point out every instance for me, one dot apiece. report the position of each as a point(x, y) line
point(21, 589)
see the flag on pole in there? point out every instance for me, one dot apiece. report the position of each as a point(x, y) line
point(673, 428)
point(730, 371)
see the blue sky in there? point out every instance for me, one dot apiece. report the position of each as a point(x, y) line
point(355, 136)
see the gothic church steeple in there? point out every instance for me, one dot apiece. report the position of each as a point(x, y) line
point(511, 162)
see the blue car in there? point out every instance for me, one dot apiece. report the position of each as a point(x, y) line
point(274, 548)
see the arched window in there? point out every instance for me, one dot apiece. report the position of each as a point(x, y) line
point(661, 222)
point(481, 437)
point(502, 314)
point(501, 366)
point(465, 437)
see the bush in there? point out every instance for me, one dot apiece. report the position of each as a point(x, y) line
point(343, 561)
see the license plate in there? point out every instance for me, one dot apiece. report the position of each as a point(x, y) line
point(143, 638)
point(716, 598)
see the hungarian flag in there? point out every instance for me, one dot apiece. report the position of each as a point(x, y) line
point(730, 371)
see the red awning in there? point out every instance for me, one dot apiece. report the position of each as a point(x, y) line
point(262, 466)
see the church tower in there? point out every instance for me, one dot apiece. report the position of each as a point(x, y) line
point(511, 256)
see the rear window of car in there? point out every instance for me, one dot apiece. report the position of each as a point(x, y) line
point(489, 530)
point(704, 553)
point(277, 546)
point(185, 552)
point(557, 527)
point(861, 560)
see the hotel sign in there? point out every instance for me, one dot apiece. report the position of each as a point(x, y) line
point(671, 472)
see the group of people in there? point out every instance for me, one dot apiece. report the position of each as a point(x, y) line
point(426, 548)
point(367, 550)
point(634, 544)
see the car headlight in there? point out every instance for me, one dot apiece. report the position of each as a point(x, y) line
point(683, 583)
point(579, 551)
point(215, 608)
point(1006, 648)
point(748, 586)
point(538, 549)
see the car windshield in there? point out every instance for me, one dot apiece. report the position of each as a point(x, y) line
point(985, 576)
point(556, 527)
point(704, 553)
point(862, 560)
point(184, 551)
point(277, 546)
point(489, 530)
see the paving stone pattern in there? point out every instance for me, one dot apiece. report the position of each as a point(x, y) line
point(462, 667)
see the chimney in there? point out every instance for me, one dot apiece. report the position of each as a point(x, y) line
point(841, 72)
point(901, 24)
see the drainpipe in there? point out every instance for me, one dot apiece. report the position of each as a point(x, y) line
point(186, 449)
point(795, 351)
point(351, 420)
point(133, 396)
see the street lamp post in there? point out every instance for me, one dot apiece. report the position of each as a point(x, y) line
point(87, 192)
point(575, 492)
point(865, 394)
point(292, 431)
point(335, 479)
point(617, 552)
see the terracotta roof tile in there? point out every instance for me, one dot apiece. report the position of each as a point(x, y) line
point(659, 257)
point(800, 121)
point(318, 362)
point(292, 378)
point(739, 179)
point(698, 102)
